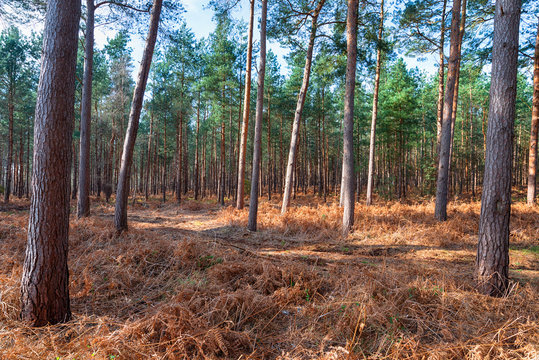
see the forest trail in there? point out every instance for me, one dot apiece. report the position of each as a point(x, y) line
point(190, 280)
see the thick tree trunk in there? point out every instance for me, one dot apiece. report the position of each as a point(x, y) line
point(83, 203)
point(122, 193)
point(492, 262)
point(348, 185)
point(445, 144)
point(299, 109)
point(532, 162)
point(375, 107)
point(246, 109)
point(257, 153)
point(45, 278)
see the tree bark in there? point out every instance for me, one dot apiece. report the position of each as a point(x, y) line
point(440, 110)
point(122, 193)
point(246, 109)
point(269, 146)
point(492, 262)
point(180, 158)
point(222, 164)
point(164, 174)
point(11, 107)
point(45, 278)
point(83, 203)
point(375, 107)
point(532, 162)
point(196, 150)
point(149, 159)
point(257, 153)
point(299, 109)
point(348, 186)
point(440, 211)
point(462, 27)
point(75, 170)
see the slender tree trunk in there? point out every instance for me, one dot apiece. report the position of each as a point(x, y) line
point(445, 144)
point(281, 162)
point(257, 153)
point(185, 160)
point(492, 262)
point(204, 178)
point(75, 171)
point(348, 185)
point(269, 146)
point(299, 109)
point(45, 278)
point(20, 189)
point(196, 150)
point(440, 110)
point(164, 174)
point(222, 163)
point(149, 161)
point(457, 81)
point(83, 203)
point(180, 158)
point(7, 189)
point(375, 107)
point(120, 214)
point(230, 172)
point(532, 161)
point(246, 109)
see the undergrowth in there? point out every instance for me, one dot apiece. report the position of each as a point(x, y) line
point(192, 283)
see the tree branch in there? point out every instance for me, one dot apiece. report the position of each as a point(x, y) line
point(109, 2)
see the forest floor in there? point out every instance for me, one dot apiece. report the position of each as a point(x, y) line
point(190, 282)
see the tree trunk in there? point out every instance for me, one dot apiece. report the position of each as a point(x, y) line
point(492, 262)
point(375, 107)
point(457, 81)
point(45, 278)
point(196, 151)
point(122, 194)
point(532, 162)
point(257, 153)
point(164, 174)
point(269, 146)
point(149, 160)
point(83, 203)
point(445, 143)
point(440, 110)
point(75, 171)
point(348, 186)
point(7, 189)
point(222, 164)
point(246, 109)
point(299, 109)
point(180, 158)
point(185, 156)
